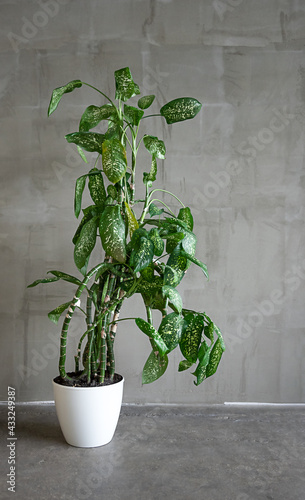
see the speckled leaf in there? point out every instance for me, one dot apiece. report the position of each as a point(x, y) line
point(132, 221)
point(204, 357)
point(155, 146)
point(154, 367)
point(219, 334)
point(208, 331)
point(133, 115)
point(93, 115)
point(79, 189)
point(56, 313)
point(146, 101)
point(142, 256)
point(176, 267)
point(96, 187)
point(66, 277)
point(152, 333)
point(186, 216)
point(191, 337)
point(124, 84)
point(184, 365)
point(172, 241)
point(149, 178)
point(154, 210)
point(158, 243)
point(112, 232)
point(90, 141)
point(114, 160)
point(85, 243)
point(174, 298)
point(197, 262)
point(43, 280)
point(60, 91)
point(178, 110)
point(215, 358)
point(89, 212)
point(170, 330)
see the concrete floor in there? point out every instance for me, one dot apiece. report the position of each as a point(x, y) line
point(216, 452)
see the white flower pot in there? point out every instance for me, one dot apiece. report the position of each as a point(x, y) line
point(88, 416)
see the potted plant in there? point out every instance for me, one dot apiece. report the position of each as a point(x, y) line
point(146, 254)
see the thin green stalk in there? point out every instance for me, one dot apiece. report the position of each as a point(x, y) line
point(67, 320)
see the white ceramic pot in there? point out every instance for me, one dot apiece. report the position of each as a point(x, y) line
point(88, 416)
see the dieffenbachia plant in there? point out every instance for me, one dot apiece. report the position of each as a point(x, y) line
point(147, 255)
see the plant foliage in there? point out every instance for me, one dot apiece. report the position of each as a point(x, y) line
point(147, 254)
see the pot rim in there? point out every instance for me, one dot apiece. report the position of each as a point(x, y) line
point(85, 388)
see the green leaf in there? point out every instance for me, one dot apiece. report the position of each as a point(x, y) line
point(85, 243)
point(44, 280)
point(66, 277)
point(215, 358)
point(148, 273)
point(149, 178)
point(175, 268)
point(186, 216)
point(56, 313)
point(146, 101)
point(191, 337)
point(112, 233)
point(90, 141)
point(172, 275)
point(208, 331)
point(155, 146)
point(114, 160)
point(60, 91)
point(204, 357)
point(154, 210)
point(79, 189)
point(158, 243)
point(111, 190)
point(142, 256)
point(152, 333)
point(96, 187)
point(219, 334)
point(172, 240)
point(93, 115)
point(178, 110)
point(174, 297)
point(154, 367)
point(170, 329)
point(125, 86)
point(82, 154)
point(197, 262)
point(132, 221)
point(133, 115)
point(89, 212)
point(184, 365)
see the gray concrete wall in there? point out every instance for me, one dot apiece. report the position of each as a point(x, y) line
point(239, 166)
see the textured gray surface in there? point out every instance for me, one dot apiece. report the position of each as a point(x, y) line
point(240, 167)
point(212, 452)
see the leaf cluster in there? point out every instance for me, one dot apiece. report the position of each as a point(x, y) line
point(147, 254)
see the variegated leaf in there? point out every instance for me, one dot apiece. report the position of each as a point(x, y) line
point(60, 91)
point(146, 101)
point(154, 368)
point(112, 233)
point(114, 160)
point(178, 110)
point(171, 329)
point(90, 141)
